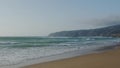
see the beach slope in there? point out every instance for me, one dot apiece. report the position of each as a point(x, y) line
point(108, 59)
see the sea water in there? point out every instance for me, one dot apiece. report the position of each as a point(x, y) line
point(16, 50)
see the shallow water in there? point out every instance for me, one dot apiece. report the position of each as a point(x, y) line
point(16, 50)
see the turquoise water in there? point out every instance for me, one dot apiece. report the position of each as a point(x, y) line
point(14, 50)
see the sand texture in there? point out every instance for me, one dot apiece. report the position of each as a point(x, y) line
point(108, 59)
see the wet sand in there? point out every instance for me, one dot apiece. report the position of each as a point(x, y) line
point(107, 59)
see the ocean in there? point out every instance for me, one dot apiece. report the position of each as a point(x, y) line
point(20, 50)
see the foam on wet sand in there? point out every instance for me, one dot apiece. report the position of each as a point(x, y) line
point(107, 59)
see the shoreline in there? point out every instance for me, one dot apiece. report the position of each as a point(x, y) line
point(51, 58)
point(107, 57)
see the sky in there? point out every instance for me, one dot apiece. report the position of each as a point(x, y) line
point(41, 17)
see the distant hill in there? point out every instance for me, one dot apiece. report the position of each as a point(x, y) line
point(106, 31)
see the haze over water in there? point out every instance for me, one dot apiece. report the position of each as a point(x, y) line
point(41, 17)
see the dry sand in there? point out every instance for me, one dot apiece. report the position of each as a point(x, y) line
point(108, 59)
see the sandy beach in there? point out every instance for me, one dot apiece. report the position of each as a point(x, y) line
point(108, 59)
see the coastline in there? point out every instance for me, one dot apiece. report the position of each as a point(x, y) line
point(106, 59)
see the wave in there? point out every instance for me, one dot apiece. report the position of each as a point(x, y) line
point(15, 50)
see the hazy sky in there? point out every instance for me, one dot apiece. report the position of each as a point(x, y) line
point(41, 17)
